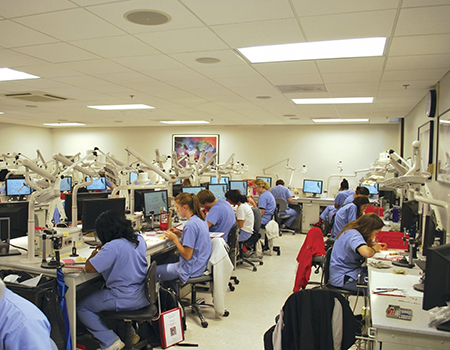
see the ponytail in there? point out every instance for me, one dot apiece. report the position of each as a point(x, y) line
point(191, 200)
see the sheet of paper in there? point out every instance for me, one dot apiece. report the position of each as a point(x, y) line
point(32, 282)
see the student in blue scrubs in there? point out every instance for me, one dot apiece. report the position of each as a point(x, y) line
point(193, 243)
point(330, 210)
point(360, 191)
point(244, 213)
point(280, 191)
point(121, 259)
point(352, 246)
point(266, 201)
point(348, 213)
point(22, 324)
point(220, 217)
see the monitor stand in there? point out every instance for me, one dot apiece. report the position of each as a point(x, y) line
point(5, 251)
point(444, 326)
point(95, 242)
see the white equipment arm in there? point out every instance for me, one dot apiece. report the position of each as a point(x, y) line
point(148, 164)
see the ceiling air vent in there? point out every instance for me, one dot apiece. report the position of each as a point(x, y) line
point(299, 88)
point(36, 96)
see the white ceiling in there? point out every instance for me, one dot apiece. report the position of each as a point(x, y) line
point(87, 52)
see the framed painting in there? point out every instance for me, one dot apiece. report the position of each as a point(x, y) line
point(425, 136)
point(194, 145)
point(443, 148)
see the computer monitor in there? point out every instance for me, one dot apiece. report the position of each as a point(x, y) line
point(97, 185)
point(312, 186)
point(223, 180)
point(176, 189)
point(17, 212)
point(193, 189)
point(430, 234)
point(17, 187)
point(373, 190)
point(240, 185)
point(132, 177)
point(266, 179)
point(218, 190)
point(388, 195)
point(154, 201)
point(437, 277)
point(66, 184)
point(92, 208)
point(81, 196)
point(139, 199)
point(410, 215)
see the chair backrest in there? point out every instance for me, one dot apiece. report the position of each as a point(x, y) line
point(233, 243)
point(257, 222)
point(281, 204)
point(151, 290)
point(326, 267)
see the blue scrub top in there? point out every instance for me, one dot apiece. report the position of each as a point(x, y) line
point(196, 236)
point(343, 216)
point(341, 196)
point(124, 268)
point(345, 259)
point(267, 202)
point(349, 199)
point(281, 191)
point(222, 217)
point(22, 324)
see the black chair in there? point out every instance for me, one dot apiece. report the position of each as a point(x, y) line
point(251, 242)
point(233, 253)
point(279, 217)
point(126, 319)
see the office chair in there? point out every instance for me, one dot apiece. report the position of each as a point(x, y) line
point(252, 242)
point(281, 206)
point(233, 244)
point(126, 319)
point(217, 284)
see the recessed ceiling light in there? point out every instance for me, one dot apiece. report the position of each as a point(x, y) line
point(7, 74)
point(332, 101)
point(2, 112)
point(64, 124)
point(263, 97)
point(147, 17)
point(444, 121)
point(121, 107)
point(362, 47)
point(207, 60)
point(324, 120)
point(184, 122)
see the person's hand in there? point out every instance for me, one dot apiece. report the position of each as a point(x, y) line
point(176, 231)
point(95, 251)
point(377, 247)
point(170, 235)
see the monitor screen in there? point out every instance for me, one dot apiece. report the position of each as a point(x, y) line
point(312, 186)
point(132, 177)
point(66, 184)
point(266, 179)
point(92, 208)
point(373, 190)
point(81, 196)
point(97, 185)
point(154, 201)
point(240, 185)
point(17, 187)
point(192, 189)
point(437, 277)
point(410, 215)
point(17, 212)
point(223, 180)
point(218, 190)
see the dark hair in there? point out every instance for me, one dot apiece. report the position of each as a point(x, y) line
point(363, 191)
point(186, 183)
point(359, 201)
point(110, 225)
point(205, 196)
point(235, 196)
point(191, 200)
point(365, 225)
point(344, 185)
point(279, 182)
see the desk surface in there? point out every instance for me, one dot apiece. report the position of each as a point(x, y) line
point(417, 329)
point(318, 200)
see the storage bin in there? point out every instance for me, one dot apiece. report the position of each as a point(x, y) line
point(394, 240)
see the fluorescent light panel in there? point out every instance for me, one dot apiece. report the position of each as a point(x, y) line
point(7, 74)
point(332, 101)
point(121, 107)
point(444, 121)
point(64, 124)
point(184, 122)
point(340, 120)
point(318, 50)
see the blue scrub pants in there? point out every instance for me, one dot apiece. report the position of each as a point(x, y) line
point(293, 214)
point(88, 310)
point(351, 284)
point(244, 235)
point(168, 273)
point(328, 213)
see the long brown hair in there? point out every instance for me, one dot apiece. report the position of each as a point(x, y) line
point(191, 200)
point(365, 225)
point(261, 183)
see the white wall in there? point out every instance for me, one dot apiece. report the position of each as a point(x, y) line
point(318, 147)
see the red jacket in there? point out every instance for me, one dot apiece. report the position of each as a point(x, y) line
point(314, 245)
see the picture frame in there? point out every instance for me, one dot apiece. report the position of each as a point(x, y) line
point(425, 134)
point(443, 148)
point(193, 145)
point(171, 328)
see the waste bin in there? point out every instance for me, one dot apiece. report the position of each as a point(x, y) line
point(45, 297)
